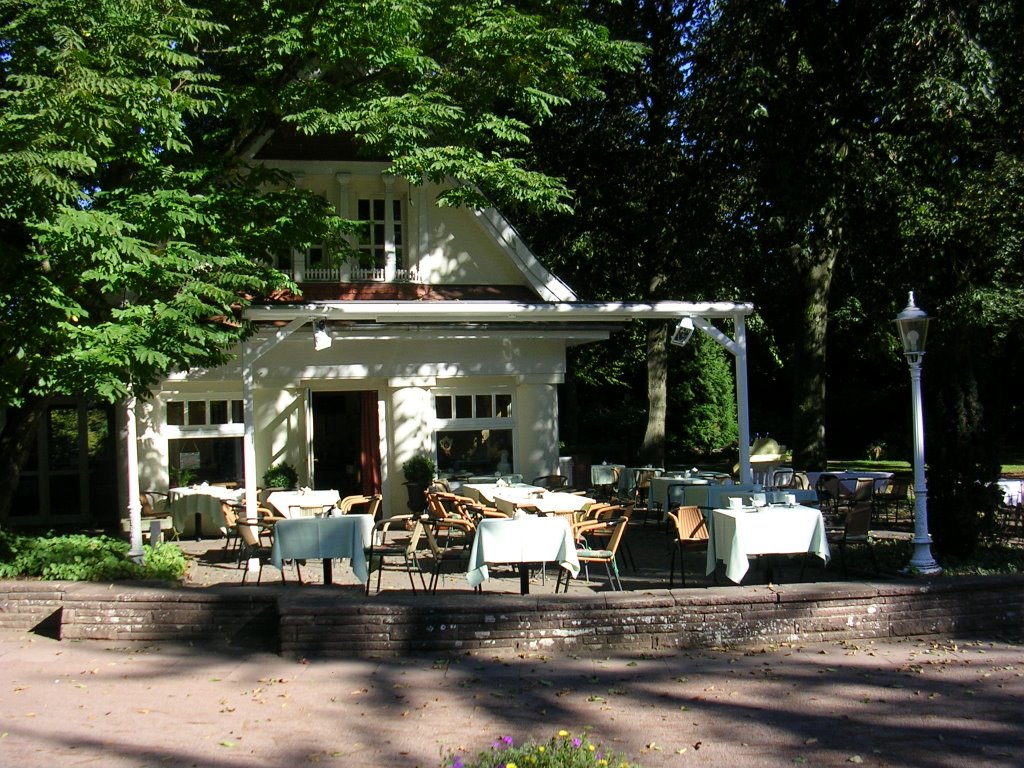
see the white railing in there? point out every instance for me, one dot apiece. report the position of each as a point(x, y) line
point(366, 274)
point(355, 274)
point(322, 275)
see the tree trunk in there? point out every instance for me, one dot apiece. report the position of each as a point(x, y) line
point(653, 450)
point(17, 438)
point(809, 449)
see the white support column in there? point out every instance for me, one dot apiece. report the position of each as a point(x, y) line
point(390, 257)
point(249, 433)
point(423, 230)
point(252, 352)
point(742, 399)
point(344, 211)
point(298, 257)
point(135, 552)
point(737, 348)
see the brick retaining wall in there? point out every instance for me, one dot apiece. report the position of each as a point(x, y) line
point(301, 621)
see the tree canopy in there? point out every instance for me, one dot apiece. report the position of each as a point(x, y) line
point(134, 223)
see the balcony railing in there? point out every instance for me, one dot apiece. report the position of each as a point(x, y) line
point(356, 274)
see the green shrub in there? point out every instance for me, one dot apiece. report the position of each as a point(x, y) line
point(281, 475)
point(560, 751)
point(80, 557)
point(419, 469)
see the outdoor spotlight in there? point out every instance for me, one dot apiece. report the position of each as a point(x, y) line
point(321, 339)
point(681, 335)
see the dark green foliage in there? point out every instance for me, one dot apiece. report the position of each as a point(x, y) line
point(80, 557)
point(702, 399)
point(281, 475)
point(419, 470)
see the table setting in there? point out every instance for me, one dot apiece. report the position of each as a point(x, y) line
point(521, 539)
point(304, 502)
point(326, 539)
point(196, 509)
point(742, 530)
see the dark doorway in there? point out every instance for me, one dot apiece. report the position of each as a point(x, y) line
point(346, 449)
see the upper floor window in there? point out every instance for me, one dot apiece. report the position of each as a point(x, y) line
point(373, 241)
point(203, 412)
point(491, 406)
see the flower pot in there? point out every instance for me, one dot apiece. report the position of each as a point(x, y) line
point(417, 496)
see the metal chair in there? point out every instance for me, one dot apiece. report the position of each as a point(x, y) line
point(691, 532)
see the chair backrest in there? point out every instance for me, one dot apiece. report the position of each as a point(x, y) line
point(346, 504)
point(675, 495)
point(551, 481)
point(440, 485)
point(230, 516)
point(800, 481)
point(863, 489)
point(602, 474)
point(690, 524)
point(898, 488)
point(618, 527)
point(858, 523)
point(643, 478)
point(827, 488)
point(505, 506)
point(249, 534)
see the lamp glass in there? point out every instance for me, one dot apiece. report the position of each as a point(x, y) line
point(683, 332)
point(912, 324)
point(321, 338)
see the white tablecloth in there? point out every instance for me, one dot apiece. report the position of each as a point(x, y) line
point(485, 492)
point(627, 478)
point(283, 501)
point(545, 502)
point(707, 497)
point(205, 500)
point(660, 485)
point(734, 535)
point(525, 539)
point(324, 538)
point(605, 474)
point(1013, 491)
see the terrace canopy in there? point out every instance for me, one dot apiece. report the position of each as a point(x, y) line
point(368, 318)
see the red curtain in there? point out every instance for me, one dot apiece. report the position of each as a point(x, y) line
point(369, 455)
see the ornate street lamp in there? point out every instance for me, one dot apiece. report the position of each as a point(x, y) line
point(912, 323)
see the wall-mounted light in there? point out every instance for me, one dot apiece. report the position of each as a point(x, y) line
point(321, 339)
point(681, 335)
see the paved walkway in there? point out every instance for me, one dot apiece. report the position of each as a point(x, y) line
point(915, 702)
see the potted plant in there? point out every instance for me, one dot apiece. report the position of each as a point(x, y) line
point(281, 475)
point(419, 472)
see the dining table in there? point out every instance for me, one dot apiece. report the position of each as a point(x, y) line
point(326, 539)
point(197, 510)
point(485, 492)
point(297, 503)
point(544, 501)
point(848, 478)
point(1012, 490)
point(734, 535)
point(710, 496)
point(523, 539)
point(629, 476)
